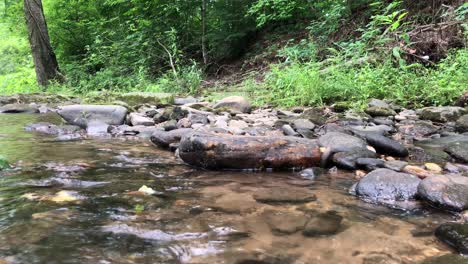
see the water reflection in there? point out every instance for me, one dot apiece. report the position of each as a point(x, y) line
point(194, 216)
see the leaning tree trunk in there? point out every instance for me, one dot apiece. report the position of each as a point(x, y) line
point(45, 61)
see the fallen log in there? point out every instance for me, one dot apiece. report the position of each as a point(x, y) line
point(219, 151)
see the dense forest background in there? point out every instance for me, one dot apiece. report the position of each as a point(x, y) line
point(284, 52)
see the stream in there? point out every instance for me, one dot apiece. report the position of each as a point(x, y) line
point(77, 201)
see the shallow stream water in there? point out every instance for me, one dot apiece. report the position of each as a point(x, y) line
point(194, 217)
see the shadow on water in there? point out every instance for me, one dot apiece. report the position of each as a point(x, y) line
point(78, 202)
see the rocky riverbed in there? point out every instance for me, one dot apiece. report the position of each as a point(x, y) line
point(409, 160)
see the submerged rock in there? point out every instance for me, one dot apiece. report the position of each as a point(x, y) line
point(284, 222)
point(236, 103)
point(246, 152)
point(384, 185)
point(328, 223)
point(454, 235)
point(446, 190)
point(51, 129)
point(83, 115)
point(446, 259)
point(165, 138)
point(284, 195)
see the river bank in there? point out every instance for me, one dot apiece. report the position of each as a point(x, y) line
point(409, 160)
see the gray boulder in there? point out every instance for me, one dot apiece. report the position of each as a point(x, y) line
point(442, 114)
point(83, 115)
point(446, 190)
point(341, 142)
point(384, 185)
point(462, 124)
point(18, 109)
point(458, 150)
point(385, 145)
point(164, 139)
point(236, 103)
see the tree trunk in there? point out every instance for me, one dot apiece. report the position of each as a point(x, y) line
point(45, 61)
point(203, 20)
point(217, 151)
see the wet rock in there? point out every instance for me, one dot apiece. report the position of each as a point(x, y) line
point(447, 190)
point(396, 165)
point(198, 118)
point(380, 111)
point(347, 160)
point(170, 125)
point(450, 167)
point(340, 142)
point(245, 152)
point(387, 121)
point(384, 185)
point(446, 259)
point(454, 235)
point(289, 131)
point(284, 222)
point(139, 131)
point(385, 145)
point(458, 150)
point(97, 128)
point(324, 224)
point(370, 164)
point(139, 120)
point(442, 114)
point(18, 109)
point(83, 115)
point(137, 98)
point(304, 127)
point(234, 203)
point(51, 129)
point(236, 103)
point(419, 129)
point(311, 173)
point(428, 154)
point(462, 124)
point(284, 195)
point(164, 139)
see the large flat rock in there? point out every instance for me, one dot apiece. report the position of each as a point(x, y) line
point(84, 115)
point(245, 152)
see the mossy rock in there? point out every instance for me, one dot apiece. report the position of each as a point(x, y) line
point(138, 98)
point(341, 107)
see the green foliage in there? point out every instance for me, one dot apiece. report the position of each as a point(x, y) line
point(268, 11)
point(312, 84)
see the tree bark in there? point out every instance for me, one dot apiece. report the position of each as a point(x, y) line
point(217, 151)
point(45, 61)
point(203, 20)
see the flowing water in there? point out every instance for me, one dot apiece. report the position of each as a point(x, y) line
point(77, 202)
